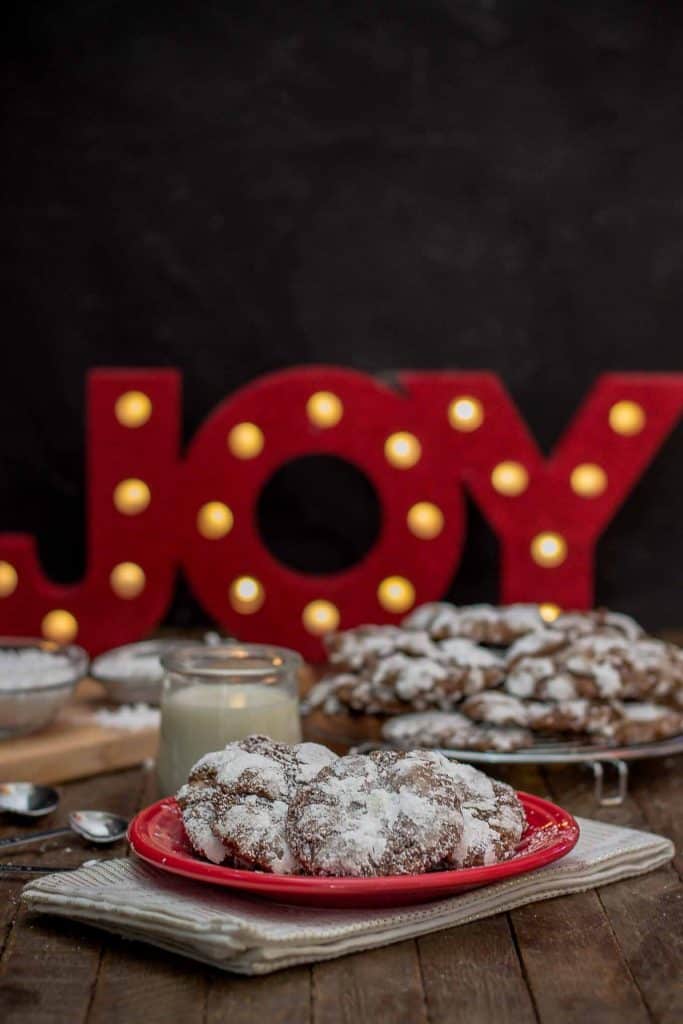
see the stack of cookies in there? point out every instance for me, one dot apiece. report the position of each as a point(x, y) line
point(488, 678)
point(300, 809)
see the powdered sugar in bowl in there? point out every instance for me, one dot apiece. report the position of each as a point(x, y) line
point(36, 678)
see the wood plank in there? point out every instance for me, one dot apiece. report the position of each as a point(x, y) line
point(49, 967)
point(472, 975)
point(75, 746)
point(375, 985)
point(281, 998)
point(657, 788)
point(574, 965)
point(645, 913)
point(137, 982)
point(554, 963)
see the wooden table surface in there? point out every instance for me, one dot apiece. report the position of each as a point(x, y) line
point(615, 954)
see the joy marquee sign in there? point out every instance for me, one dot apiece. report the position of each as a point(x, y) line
point(151, 511)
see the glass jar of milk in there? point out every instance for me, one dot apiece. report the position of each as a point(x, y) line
point(212, 695)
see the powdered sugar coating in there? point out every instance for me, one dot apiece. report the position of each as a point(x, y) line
point(600, 665)
point(382, 814)
point(450, 730)
point(497, 708)
point(493, 817)
point(600, 620)
point(645, 722)
point(235, 802)
point(482, 623)
point(362, 647)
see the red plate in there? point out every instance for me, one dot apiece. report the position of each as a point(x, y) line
point(157, 836)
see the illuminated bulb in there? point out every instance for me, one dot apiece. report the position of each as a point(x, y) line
point(320, 617)
point(132, 496)
point(246, 595)
point(549, 549)
point(8, 579)
point(396, 594)
point(509, 478)
point(324, 409)
point(465, 413)
point(246, 441)
point(425, 520)
point(60, 626)
point(214, 520)
point(127, 580)
point(627, 418)
point(549, 611)
point(588, 480)
point(133, 409)
point(402, 449)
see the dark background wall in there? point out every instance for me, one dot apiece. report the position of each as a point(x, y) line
point(232, 188)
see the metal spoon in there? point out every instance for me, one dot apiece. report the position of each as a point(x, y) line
point(28, 799)
point(95, 826)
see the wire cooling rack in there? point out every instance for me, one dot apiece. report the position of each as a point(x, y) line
point(549, 751)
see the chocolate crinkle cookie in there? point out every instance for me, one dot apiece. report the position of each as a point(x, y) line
point(493, 818)
point(483, 623)
point(400, 681)
point(551, 666)
point(505, 669)
point(450, 730)
point(598, 621)
point(235, 803)
point(392, 813)
point(266, 806)
point(611, 721)
point(363, 647)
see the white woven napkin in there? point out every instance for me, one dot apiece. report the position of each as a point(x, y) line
point(250, 936)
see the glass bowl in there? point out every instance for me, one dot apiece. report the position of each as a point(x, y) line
point(34, 688)
point(132, 673)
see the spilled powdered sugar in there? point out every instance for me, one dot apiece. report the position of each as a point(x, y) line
point(129, 716)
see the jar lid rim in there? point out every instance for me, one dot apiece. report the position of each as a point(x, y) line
point(217, 660)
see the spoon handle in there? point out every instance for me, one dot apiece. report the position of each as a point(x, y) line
point(37, 837)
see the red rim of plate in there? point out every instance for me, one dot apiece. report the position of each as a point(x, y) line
point(141, 838)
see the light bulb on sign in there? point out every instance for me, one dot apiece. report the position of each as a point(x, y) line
point(509, 478)
point(132, 496)
point(133, 409)
point(60, 626)
point(425, 520)
point(320, 617)
point(588, 480)
point(396, 594)
point(9, 579)
point(214, 520)
point(324, 409)
point(246, 595)
point(549, 549)
point(127, 580)
point(246, 441)
point(549, 611)
point(627, 418)
point(465, 413)
point(402, 450)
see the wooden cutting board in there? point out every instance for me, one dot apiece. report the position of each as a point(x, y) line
point(76, 745)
